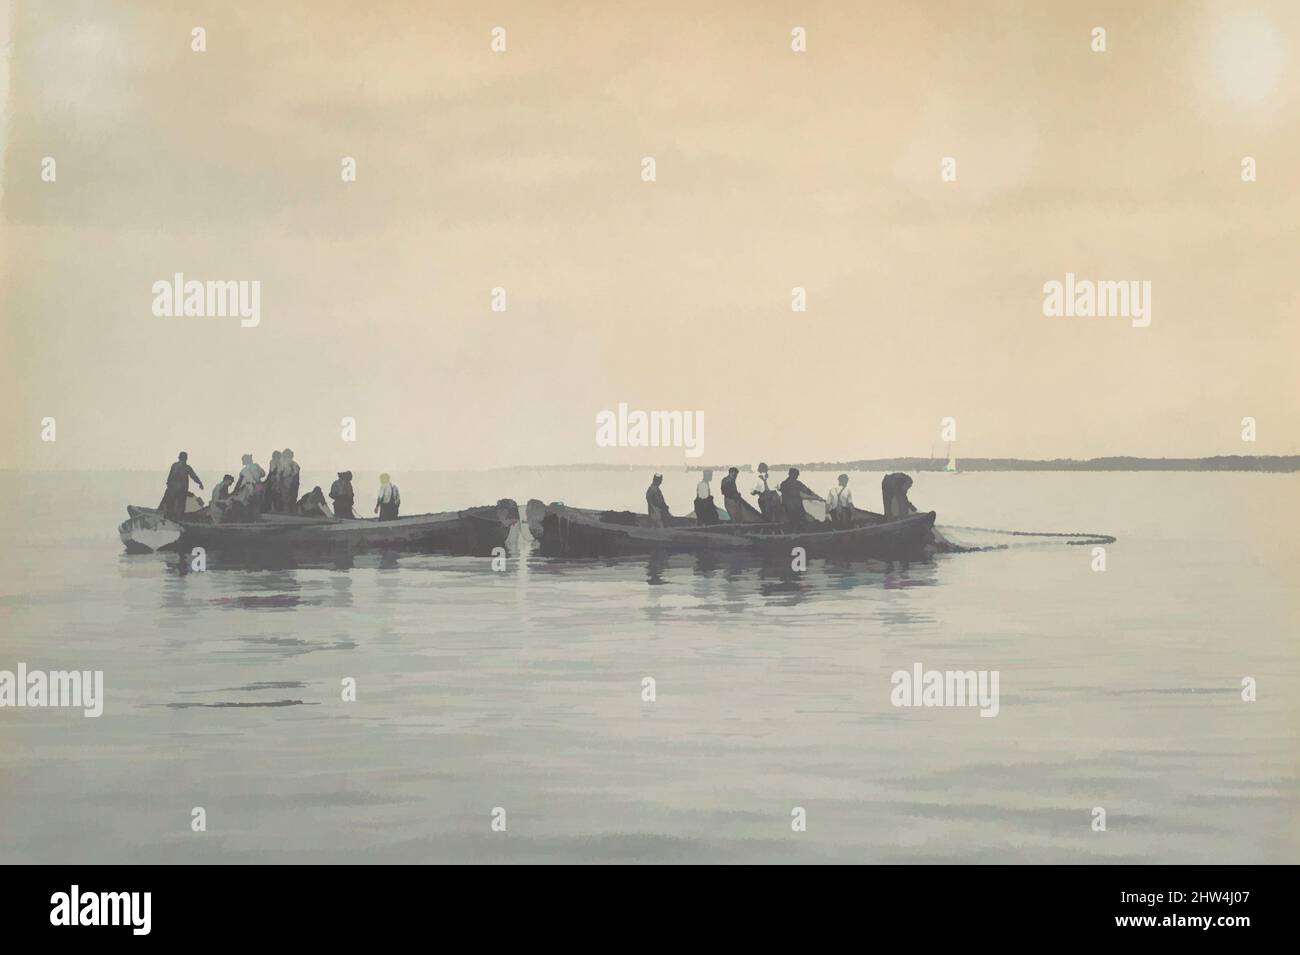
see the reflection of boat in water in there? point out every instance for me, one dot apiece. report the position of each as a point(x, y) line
point(476, 530)
point(951, 466)
point(563, 531)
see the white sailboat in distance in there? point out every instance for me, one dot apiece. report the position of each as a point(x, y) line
point(951, 466)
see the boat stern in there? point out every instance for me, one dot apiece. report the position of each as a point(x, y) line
point(144, 533)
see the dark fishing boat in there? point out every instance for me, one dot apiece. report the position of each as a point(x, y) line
point(563, 531)
point(477, 531)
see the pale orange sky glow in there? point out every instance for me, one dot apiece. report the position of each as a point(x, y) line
point(522, 170)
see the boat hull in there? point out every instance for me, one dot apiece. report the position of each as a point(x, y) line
point(477, 531)
point(570, 532)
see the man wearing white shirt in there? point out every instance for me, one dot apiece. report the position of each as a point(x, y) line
point(705, 510)
point(839, 503)
point(769, 501)
point(389, 499)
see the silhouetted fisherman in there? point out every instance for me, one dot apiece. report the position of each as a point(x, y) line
point(656, 506)
point(792, 494)
point(705, 510)
point(288, 482)
point(731, 498)
point(769, 501)
point(894, 488)
point(178, 487)
point(220, 498)
point(249, 486)
point(342, 495)
point(839, 503)
point(389, 499)
point(270, 493)
point(222, 490)
point(313, 504)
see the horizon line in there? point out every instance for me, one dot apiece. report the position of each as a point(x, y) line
point(973, 462)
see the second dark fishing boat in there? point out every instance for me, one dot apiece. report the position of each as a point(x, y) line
point(563, 531)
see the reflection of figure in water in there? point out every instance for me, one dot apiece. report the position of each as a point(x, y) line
point(245, 496)
point(270, 494)
point(288, 483)
point(769, 502)
point(654, 569)
point(705, 511)
point(342, 495)
point(221, 498)
point(178, 487)
point(792, 494)
point(894, 488)
point(389, 499)
point(656, 506)
point(731, 498)
point(313, 504)
point(839, 503)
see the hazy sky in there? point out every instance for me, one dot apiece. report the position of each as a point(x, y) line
point(522, 169)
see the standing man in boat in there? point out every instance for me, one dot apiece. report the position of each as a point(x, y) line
point(769, 502)
point(731, 498)
point(178, 487)
point(342, 495)
point(246, 494)
point(705, 510)
point(792, 495)
point(288, 481)
point(271, 489)
point(656, 506)
point(839, 503)
point(893, 489)
point(389, 499)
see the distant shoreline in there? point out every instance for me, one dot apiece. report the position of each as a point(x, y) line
point(1233, 462)
point(1269, 463)
point(1264, 463)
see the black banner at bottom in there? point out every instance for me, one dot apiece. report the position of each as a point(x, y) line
point(301, 904)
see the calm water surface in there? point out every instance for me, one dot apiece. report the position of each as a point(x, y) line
point(522, 689)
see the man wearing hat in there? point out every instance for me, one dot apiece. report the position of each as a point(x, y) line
point(343, 496)
point(731, 498)
point(769, 502)
point(793, 492)
point(178, 487)
point(839, 503)
point(706, 512)
point(389, 499)
point(655, 504)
